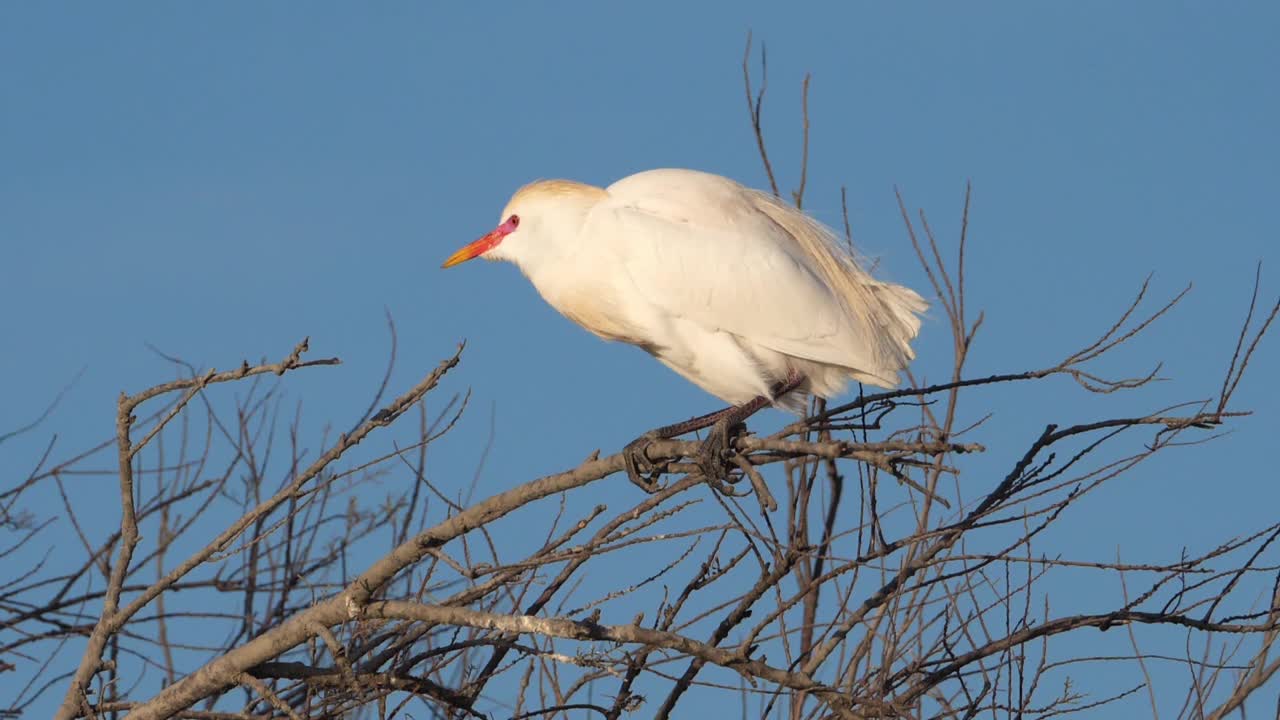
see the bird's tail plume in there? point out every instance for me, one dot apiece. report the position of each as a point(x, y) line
point(881, 313)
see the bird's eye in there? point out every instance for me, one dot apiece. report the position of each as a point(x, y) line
point(514, 221)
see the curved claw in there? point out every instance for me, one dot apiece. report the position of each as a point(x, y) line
point(713, 456)
point(640, 469)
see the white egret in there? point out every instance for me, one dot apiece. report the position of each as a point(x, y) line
point(745, 296)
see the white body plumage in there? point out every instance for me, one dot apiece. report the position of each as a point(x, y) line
point(728, 286)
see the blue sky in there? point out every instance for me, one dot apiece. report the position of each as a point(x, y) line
point(220, 180)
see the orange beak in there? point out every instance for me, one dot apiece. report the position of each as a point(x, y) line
point(479, 247)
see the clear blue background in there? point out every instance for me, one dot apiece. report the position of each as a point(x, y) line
point(219, 180)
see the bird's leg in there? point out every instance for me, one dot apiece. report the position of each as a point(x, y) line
point(712, 455)
point(640, 469)
point(716, 448)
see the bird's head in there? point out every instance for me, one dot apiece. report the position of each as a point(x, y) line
point(537, 217)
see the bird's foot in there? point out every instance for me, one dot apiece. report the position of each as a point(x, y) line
point(642, 471)
point(713, 457)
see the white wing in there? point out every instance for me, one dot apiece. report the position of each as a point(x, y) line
point(704, 248)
